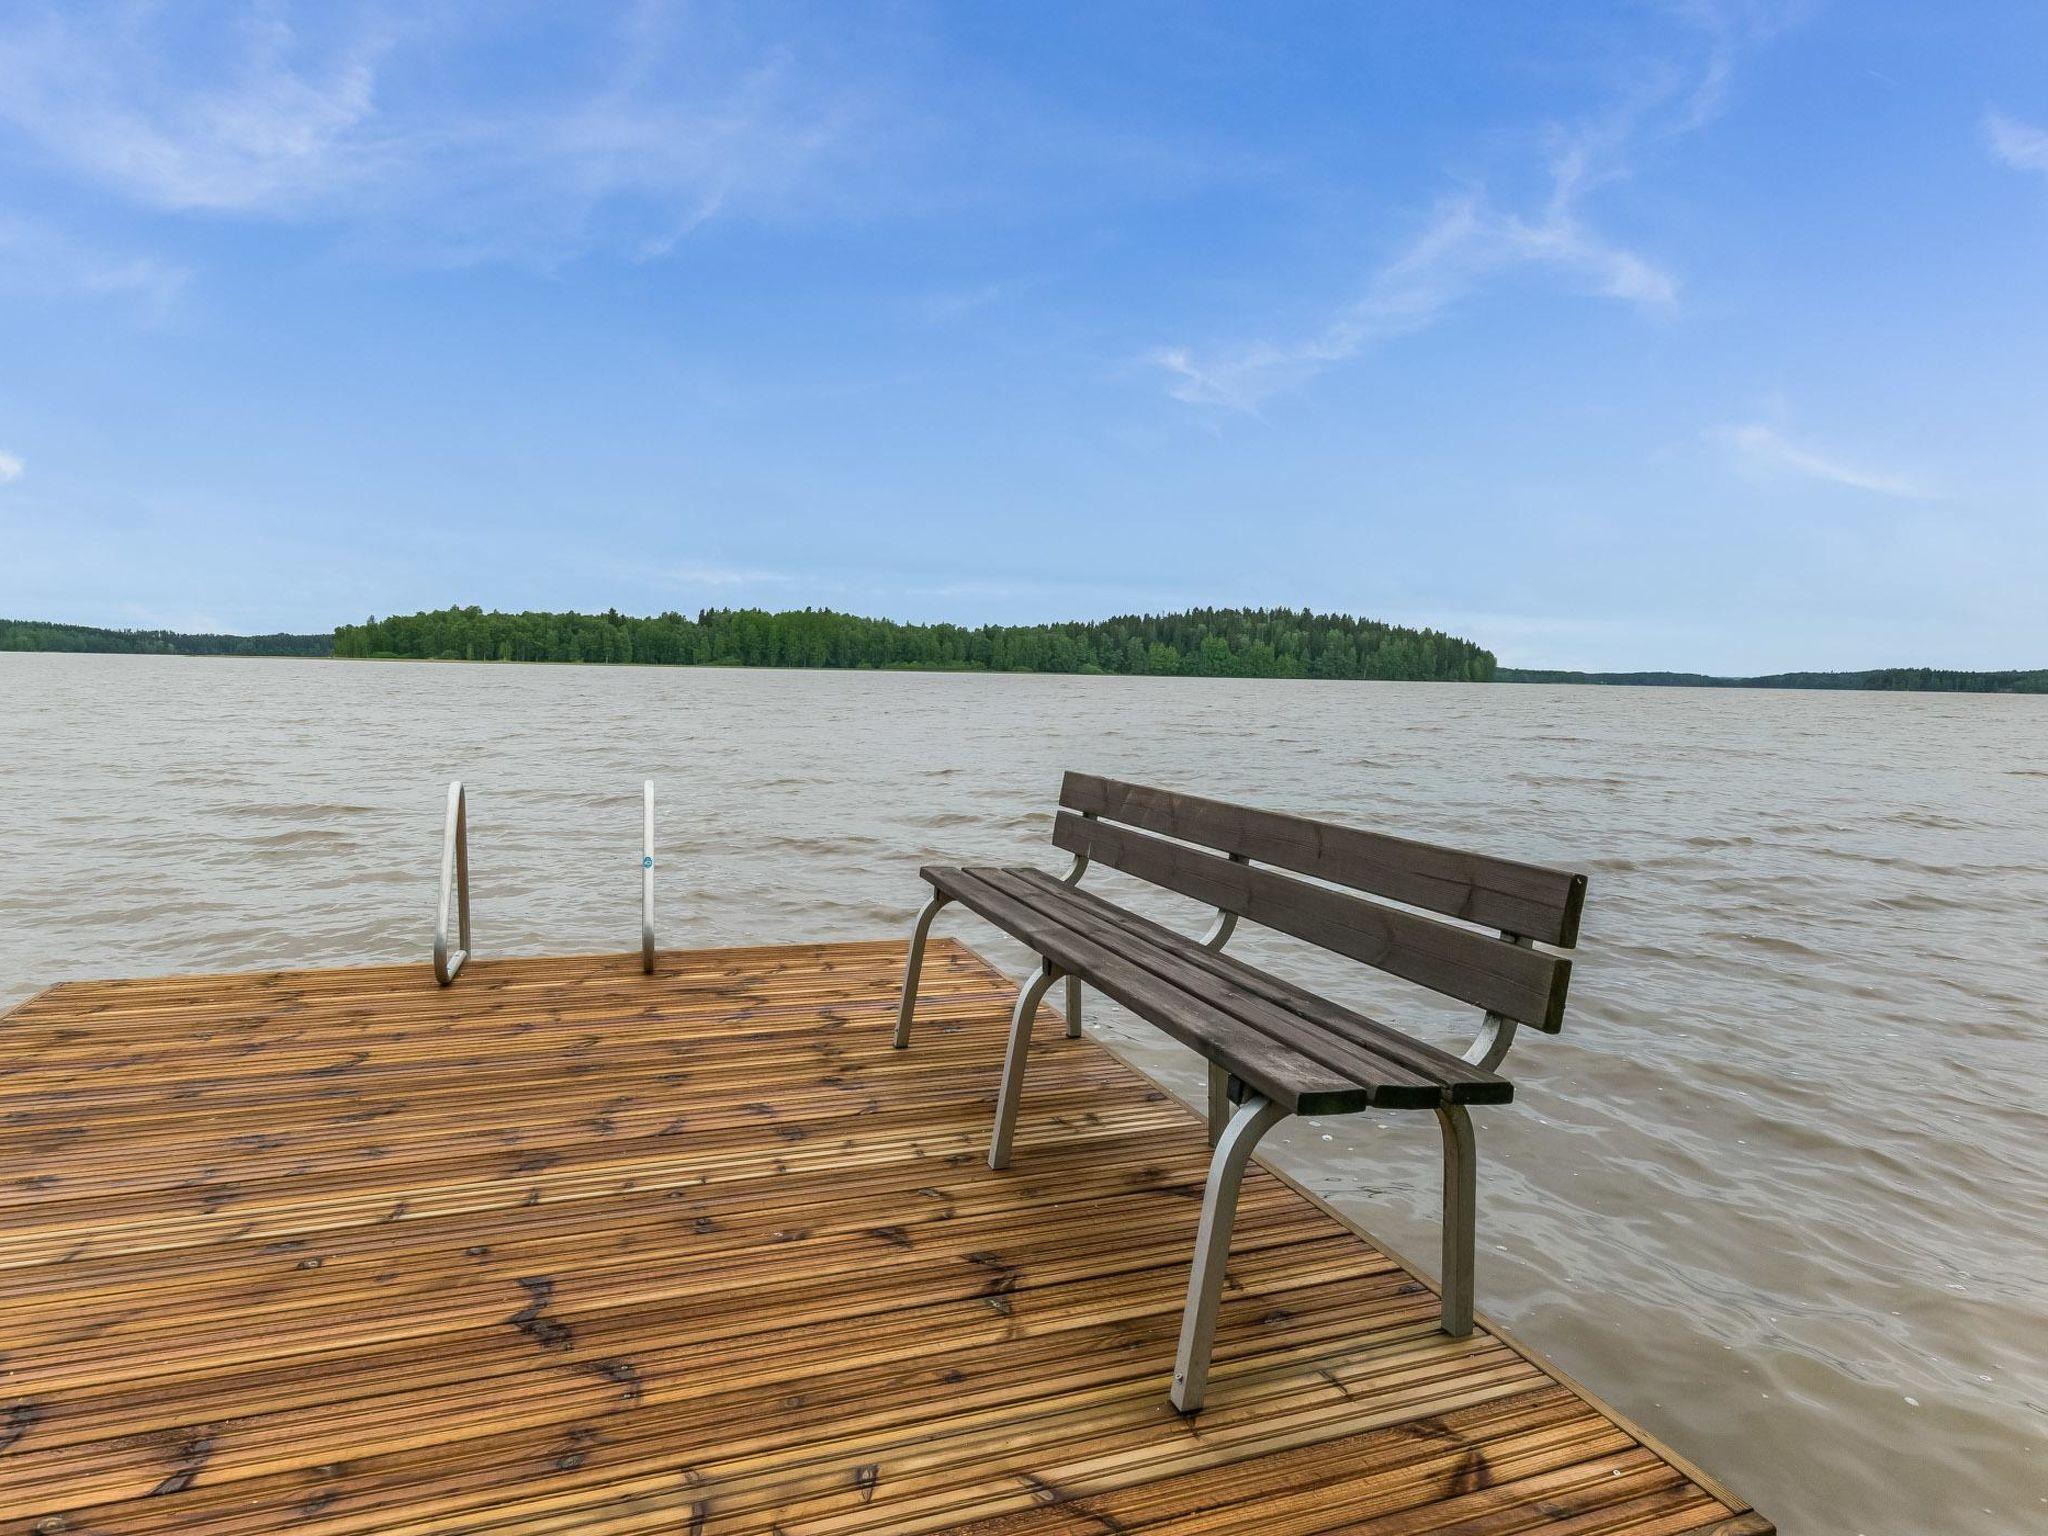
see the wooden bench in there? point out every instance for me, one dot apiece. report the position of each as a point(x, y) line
point(1275, 1049)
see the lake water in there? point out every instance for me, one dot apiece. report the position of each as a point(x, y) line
point(1779, 1191)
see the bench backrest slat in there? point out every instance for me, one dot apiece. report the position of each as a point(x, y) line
point(1526, 985)
point(1529, 900)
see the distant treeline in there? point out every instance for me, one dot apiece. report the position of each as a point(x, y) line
point(1204, 642)
point(1879, 680)
point(29, 635)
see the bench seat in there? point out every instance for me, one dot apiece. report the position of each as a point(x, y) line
point(1303, 1053)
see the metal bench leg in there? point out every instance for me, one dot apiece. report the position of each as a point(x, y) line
point(1028, 998)
point(1219, 1101)
point(1254, 1117)
point(1073, 1007)
point(913, 967)
point(1461, 1188)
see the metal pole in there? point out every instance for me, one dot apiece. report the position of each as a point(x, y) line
point(1028, 998)
point(647, 877)
point(1254, 1117)
point(1461, 1199)
point(454, 880)
point(913, 966)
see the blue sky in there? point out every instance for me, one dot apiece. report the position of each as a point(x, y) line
point(1707, 335)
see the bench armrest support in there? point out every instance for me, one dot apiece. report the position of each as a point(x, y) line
point(1226, 922)
point(1490, 1047)
point(1080, 865)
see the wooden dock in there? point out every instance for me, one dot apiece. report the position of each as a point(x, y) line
point(566, 1248)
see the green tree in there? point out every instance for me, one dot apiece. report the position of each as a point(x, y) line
point(1212, 642)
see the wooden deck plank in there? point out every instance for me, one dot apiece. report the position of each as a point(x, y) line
point(565, 1248)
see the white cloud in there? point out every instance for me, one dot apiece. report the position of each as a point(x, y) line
point(350, 120)
point(263, 125)
point(702, 574)
point(37, 258)
point(2020, 145)
point(1471, 239)
point(1464, 242)
point(1057, 595)
point(1767, 449)
point(1571, 642)
point(10, 468)
point(179, 621)
point(956, 303)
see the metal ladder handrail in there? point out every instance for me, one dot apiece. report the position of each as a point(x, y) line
point(454, 877)
point(455, 882)
point(647, 877)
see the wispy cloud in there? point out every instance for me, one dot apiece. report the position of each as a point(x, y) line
point(267, 123)
point(181, 621)
point(1464, 242)
point(1057, 595)
point(40, 259)
point(349, 119)
point(1472, 238)
point(1765, 448)
point(703, 574)
point(10, 468)
point(1572, 641)
point(957, 303)
point(2020, 145)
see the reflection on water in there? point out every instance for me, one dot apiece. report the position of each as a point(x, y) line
point(1778, 1191)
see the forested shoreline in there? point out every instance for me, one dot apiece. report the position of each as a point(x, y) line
point(36, 635)
point(1873, 680)
point(1203, 642)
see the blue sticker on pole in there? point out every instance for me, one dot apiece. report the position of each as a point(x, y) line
point(647, 862)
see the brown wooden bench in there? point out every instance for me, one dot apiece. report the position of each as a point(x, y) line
point(1275, 1049)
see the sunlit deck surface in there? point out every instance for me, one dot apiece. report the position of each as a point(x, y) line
point(566, 1248)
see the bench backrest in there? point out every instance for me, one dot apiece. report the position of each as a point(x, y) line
point(1112, 823)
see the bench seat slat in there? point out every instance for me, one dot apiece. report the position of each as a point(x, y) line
point(1467, 1084)
point(1531, 900)
point(1526, 985)
point(1389, 1083)
point(1291, 1080)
